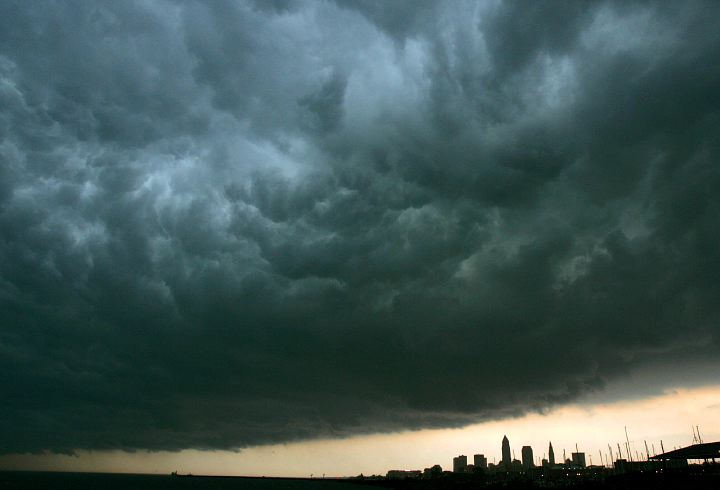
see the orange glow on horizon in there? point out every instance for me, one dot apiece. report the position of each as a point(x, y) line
point(667, 417)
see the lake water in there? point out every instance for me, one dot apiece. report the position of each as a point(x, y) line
point(105, 481)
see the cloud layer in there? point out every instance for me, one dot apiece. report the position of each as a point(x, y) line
point(224, 225)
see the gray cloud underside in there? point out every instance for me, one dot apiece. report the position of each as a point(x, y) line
point(224, 225)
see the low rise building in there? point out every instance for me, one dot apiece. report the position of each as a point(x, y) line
point(403, 474)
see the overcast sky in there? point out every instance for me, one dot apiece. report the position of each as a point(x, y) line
point(225, 224)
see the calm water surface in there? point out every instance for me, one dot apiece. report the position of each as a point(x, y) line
point(104, 481)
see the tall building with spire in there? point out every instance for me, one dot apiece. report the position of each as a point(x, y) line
point(506, 459)
point(551, 455)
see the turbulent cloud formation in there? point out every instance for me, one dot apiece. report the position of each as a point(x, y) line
point(224, 224)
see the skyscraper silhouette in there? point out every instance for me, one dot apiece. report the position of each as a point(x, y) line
point(551, 455)
point(480, 461)
point(460, 464)
point(527, 457)
point(506, 459)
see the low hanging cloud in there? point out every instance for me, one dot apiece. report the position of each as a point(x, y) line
point(230, 224)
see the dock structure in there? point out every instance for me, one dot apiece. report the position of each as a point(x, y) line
point(706, 450)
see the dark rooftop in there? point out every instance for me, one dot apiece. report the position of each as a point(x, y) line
point(708, 450)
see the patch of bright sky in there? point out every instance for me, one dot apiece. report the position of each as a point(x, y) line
point(667, 417)
point(639, 31)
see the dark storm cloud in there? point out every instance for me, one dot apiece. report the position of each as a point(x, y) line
point(228, 224)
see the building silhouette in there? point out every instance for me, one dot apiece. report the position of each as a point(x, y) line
point(460, 464)
point(578, 459)
point(480, 461)
point(560, 474)
point(403, 474)
point(527, 457)
point(506, 459)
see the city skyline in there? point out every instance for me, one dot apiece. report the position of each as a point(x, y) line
point(377, 454)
